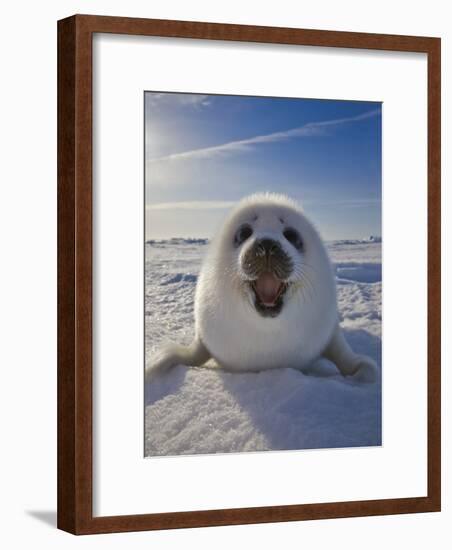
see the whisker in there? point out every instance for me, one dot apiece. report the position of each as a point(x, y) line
point(307, 284)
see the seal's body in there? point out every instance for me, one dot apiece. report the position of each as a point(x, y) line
point(266, 296)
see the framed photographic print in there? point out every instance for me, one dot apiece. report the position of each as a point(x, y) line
point(248, 274)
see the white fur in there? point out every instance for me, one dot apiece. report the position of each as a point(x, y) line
point(226, 319)
point(228, 326)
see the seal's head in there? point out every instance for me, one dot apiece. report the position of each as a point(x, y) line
point(269, 248)
point(267, 270)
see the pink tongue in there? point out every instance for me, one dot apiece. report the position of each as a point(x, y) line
point(267, 288)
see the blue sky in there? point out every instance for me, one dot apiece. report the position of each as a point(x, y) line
point(203, 153)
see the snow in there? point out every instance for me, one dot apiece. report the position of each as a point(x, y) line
point(205, 410)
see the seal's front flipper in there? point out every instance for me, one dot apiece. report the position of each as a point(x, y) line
point(365, 369)
point(171, 355)
point(349, 363)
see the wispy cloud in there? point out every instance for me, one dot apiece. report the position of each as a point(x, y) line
point(347, 203)
point(191, 205)
point(157, 99)
point(243, 145)
point(223, 205)
point(361, 203)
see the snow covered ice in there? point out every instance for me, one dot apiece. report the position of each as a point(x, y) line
point(206, 410)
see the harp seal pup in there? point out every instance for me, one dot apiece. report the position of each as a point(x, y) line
point(266, 297)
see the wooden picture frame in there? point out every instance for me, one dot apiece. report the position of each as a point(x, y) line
point(75, 225)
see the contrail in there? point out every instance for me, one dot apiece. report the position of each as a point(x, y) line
point(309, 129)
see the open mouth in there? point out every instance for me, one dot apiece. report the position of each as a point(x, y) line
point(268, 291)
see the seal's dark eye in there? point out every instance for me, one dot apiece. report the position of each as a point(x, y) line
point(293, 237)
point(242, 234)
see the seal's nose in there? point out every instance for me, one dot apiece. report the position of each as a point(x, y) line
point(267, 247)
